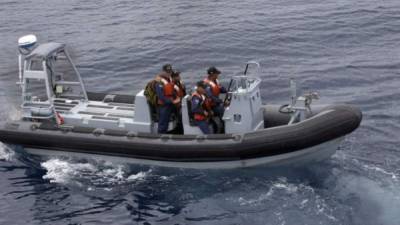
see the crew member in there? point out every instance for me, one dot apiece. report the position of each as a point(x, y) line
point(200, 108)
point(180, 91)
point(166, 98)
point(179, 86)
point(213, 90)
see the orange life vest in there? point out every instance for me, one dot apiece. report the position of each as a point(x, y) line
point(215, 87)
point(205, 104)
point(168, 88)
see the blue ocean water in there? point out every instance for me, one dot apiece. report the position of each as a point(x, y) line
point(347, 50)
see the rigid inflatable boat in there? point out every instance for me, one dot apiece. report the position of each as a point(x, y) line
point(58, 116)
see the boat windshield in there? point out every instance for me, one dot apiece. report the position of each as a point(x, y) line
point(241, 84)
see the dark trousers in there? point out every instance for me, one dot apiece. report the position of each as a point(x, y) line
point(203, 125)
point(165, 112)
point(218, 110)
point(178, 115)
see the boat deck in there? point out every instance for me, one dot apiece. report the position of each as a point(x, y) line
point(114, 114)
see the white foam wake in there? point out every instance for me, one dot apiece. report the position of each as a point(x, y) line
point(6, 153)
point(59, 171)
point(89, 173)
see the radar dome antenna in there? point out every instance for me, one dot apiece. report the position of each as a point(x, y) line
point(25, 46)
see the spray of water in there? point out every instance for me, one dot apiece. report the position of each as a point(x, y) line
point(6, 153)
point(93, 173)
point(13, 113)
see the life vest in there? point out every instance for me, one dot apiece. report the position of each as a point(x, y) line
point(215, 87)
point(168, 88)
point(205, 104)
